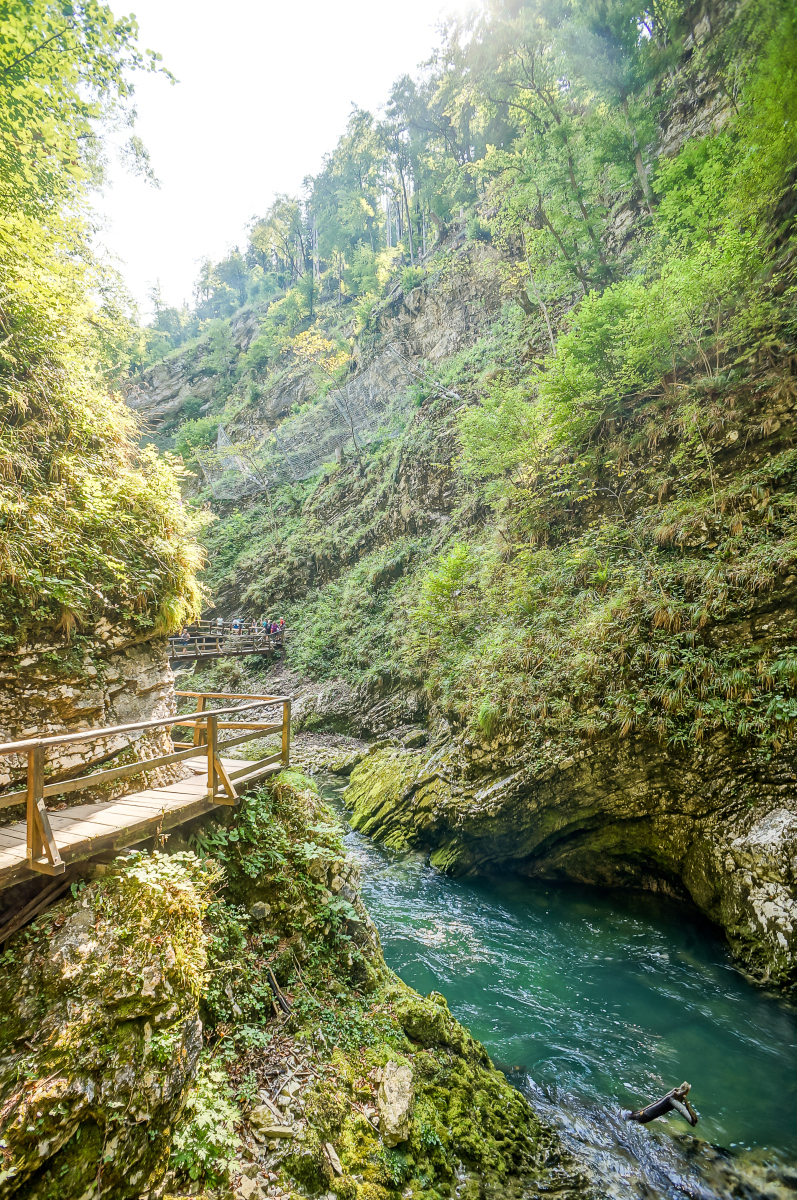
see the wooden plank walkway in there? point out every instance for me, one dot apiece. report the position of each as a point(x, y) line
point(89, 829)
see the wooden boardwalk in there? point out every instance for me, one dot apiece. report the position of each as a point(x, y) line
point(50, 839)
point(87, 830)
point(206, 640)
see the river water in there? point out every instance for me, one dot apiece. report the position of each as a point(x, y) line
point(594, 1002)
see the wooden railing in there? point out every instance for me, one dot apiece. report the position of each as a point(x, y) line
point(206, 725)
point(202, 644)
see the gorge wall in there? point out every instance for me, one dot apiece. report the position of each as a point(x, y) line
point(50, 687)
point(594, 632)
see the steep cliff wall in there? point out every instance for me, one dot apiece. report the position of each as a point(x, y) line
point(50, 687)
point(572, 571)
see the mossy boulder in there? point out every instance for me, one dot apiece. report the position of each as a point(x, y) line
point(427, 1021)
point(100, 1033)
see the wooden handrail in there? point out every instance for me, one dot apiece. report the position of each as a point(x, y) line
point(221, 784)
point(90, 735)
point(234, 695)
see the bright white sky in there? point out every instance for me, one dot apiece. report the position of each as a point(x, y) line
point(265, 90)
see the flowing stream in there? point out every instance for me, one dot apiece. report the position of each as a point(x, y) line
point(593, 1002)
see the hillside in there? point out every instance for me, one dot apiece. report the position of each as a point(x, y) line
point(570, 557)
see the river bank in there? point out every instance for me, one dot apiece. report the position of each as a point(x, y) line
point(594, 1002)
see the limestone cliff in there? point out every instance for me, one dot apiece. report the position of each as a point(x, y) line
point(100, 1033)
point(49, 686)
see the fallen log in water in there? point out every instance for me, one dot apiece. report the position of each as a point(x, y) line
point(674, 1101)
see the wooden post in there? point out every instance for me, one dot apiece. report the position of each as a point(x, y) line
point(35, 793)
point(212, 733)
point(40, 834)
point(216, 769)
point(200, 707)
point(286, 733)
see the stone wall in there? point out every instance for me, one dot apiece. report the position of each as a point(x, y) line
point(50, 687)
point(717, 826)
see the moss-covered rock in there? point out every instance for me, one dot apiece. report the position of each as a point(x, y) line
point(712, 825)
point(100, 1032)
point(100, 1038)
point(321, 1067)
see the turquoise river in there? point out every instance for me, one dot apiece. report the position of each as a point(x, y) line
point(595, 1002)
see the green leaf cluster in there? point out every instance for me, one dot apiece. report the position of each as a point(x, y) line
point(91, 523)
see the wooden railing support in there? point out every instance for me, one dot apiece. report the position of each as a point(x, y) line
point(40, 834)
point(216, 769)
point(212, 734)
point(286, 733)
point(198, 728)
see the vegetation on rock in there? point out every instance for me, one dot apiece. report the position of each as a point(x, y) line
point(99, 1030)
point(620, 489)
point(112, 981)
point(91, 524)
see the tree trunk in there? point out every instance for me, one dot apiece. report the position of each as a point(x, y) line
point(409, 217)
point(642, 174)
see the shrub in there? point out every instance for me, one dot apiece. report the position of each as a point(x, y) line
point(205, 1143)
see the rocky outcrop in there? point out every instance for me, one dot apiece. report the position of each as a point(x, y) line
point(396, 1097)
point(371, 710)
point(50, 687)
point(160, 393)
point(717, 826)
point(100, 1033)
point(455, 305)
point(165, 388)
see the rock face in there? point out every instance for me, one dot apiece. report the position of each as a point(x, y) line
point(100, 1034)
point(457, 304)
point(50, 687)
point(717, 826)
point(163, 389)
point(396, 1096)
point(369, 711)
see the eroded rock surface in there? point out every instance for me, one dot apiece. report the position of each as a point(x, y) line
point(50, 687)
point(100, 1033)
point(396, 1096)
point(716, 825)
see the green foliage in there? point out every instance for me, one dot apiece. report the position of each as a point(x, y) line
point(62, 68)
point(204, 1144)
point(91, 524)
point(411, 277)
point(201, 432)
point(501, 437)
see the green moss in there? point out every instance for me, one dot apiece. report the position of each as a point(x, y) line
point(376, 790)
point(307, 1165)
point(98, 999)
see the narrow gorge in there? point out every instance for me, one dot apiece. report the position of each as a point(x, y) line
point(498, 417)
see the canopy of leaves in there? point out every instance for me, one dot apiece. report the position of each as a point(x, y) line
point(91, 525)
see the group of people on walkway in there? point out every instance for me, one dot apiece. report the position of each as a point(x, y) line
point(255, 628)
point(264, 630)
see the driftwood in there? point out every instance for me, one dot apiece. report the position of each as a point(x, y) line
point(674, 1101)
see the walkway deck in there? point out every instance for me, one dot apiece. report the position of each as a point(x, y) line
point(90, 829)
